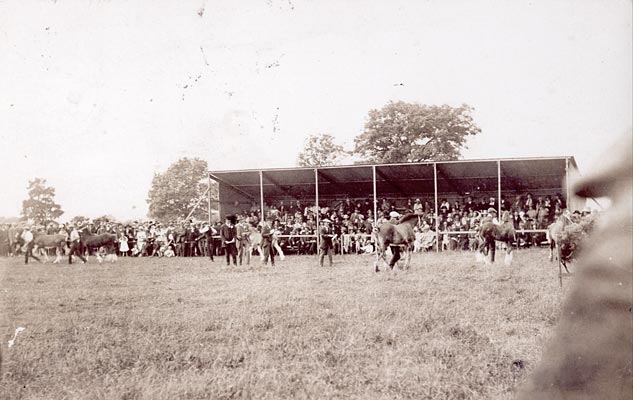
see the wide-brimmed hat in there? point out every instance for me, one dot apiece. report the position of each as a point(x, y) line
point(394, 214)
point(492, 210)
point(326, 220)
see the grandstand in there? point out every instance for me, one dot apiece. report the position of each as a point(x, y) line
point(498, 178)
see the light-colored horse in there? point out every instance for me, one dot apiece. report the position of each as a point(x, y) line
point(256, 243)
point(553, 235)
point(45, 242)
point(396, 236)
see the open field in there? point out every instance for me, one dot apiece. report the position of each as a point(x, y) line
point(189, 328)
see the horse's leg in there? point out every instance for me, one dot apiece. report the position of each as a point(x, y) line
point(508, 258)
point(493, 250)
point(395, 257)
point(58, 252)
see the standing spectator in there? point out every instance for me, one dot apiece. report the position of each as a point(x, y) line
point(75, 245)
point(267, 242)
point(244, 238)
point(209, 231)
point(326, 246)
point(27, 237)
point(12, 234)
point(228, 234)
point(275, 243)
point(123, 246)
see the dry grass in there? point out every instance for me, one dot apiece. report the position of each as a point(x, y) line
point(189, 328)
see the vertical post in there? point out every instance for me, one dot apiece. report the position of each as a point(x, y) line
point(499, 188)
point(437, 219)
point(318, 210)
point(209, 196)
point(373, 170)
point(262, 216)
point(567, 182)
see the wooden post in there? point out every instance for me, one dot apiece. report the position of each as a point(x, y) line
point(316, 195)
point(373, 170)
point(499, 188)
point(437, 219)
point(262, 216)
point(209, 196)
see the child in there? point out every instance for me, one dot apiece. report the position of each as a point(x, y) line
point(123, 246)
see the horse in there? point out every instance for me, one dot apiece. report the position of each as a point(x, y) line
point(553, 234)
point(57, 242)
point(489, 233)
point(590, 353)
point(95, 242)
point(255, 242)
point(400, 234)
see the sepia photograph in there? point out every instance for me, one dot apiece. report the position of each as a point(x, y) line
point(302, 199)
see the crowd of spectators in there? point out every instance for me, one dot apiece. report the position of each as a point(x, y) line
point(295, 223)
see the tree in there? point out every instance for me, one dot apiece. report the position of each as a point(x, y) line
point(412, 132)
point(320, 151)
point(175, 193)
point(40, 207)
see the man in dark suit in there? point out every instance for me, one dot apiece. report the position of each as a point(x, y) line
point(326, 246)
point(267, 241)
point(228, 234)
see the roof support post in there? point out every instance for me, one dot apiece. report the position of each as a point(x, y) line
point(262, 215)
point(499, 188)
point(437, 217)
point(373, 170)
point(567, 182)
point(209, 197)
point(318, 210)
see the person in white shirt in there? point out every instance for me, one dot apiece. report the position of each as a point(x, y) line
point(75, 245)
point(27, 236)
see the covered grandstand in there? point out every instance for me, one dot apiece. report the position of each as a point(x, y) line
point(239, 189)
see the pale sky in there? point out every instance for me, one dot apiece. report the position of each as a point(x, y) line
point(96, 96)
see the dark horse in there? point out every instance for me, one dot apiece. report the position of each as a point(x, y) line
point(95, 242)
point(401, 234)
point(490, 232)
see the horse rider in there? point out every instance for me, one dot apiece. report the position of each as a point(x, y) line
point(75, 245)
point(326, 245)
point(27, 237)
point(244, 238)
point(267, 241)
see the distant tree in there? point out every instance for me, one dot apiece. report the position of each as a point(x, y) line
point(412, 132)
point(175, 192)
point(79, 220)
point(320, 151)
point(104, 218)
point(40, 207)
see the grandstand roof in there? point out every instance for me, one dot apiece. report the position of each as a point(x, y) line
point(461, 177)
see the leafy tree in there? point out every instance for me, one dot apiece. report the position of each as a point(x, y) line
point(40, 207)
point(175, 193)
point(412, 132)
point(79, 220)
point(320, 151)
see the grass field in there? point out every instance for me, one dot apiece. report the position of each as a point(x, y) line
point(188, 328)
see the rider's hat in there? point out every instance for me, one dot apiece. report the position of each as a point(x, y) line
point(492, 210)
point(394, 214)
point(326, 220)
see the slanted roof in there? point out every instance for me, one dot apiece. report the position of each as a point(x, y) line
point(407, 179)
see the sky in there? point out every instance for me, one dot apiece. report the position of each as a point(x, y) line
point(97, 96)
